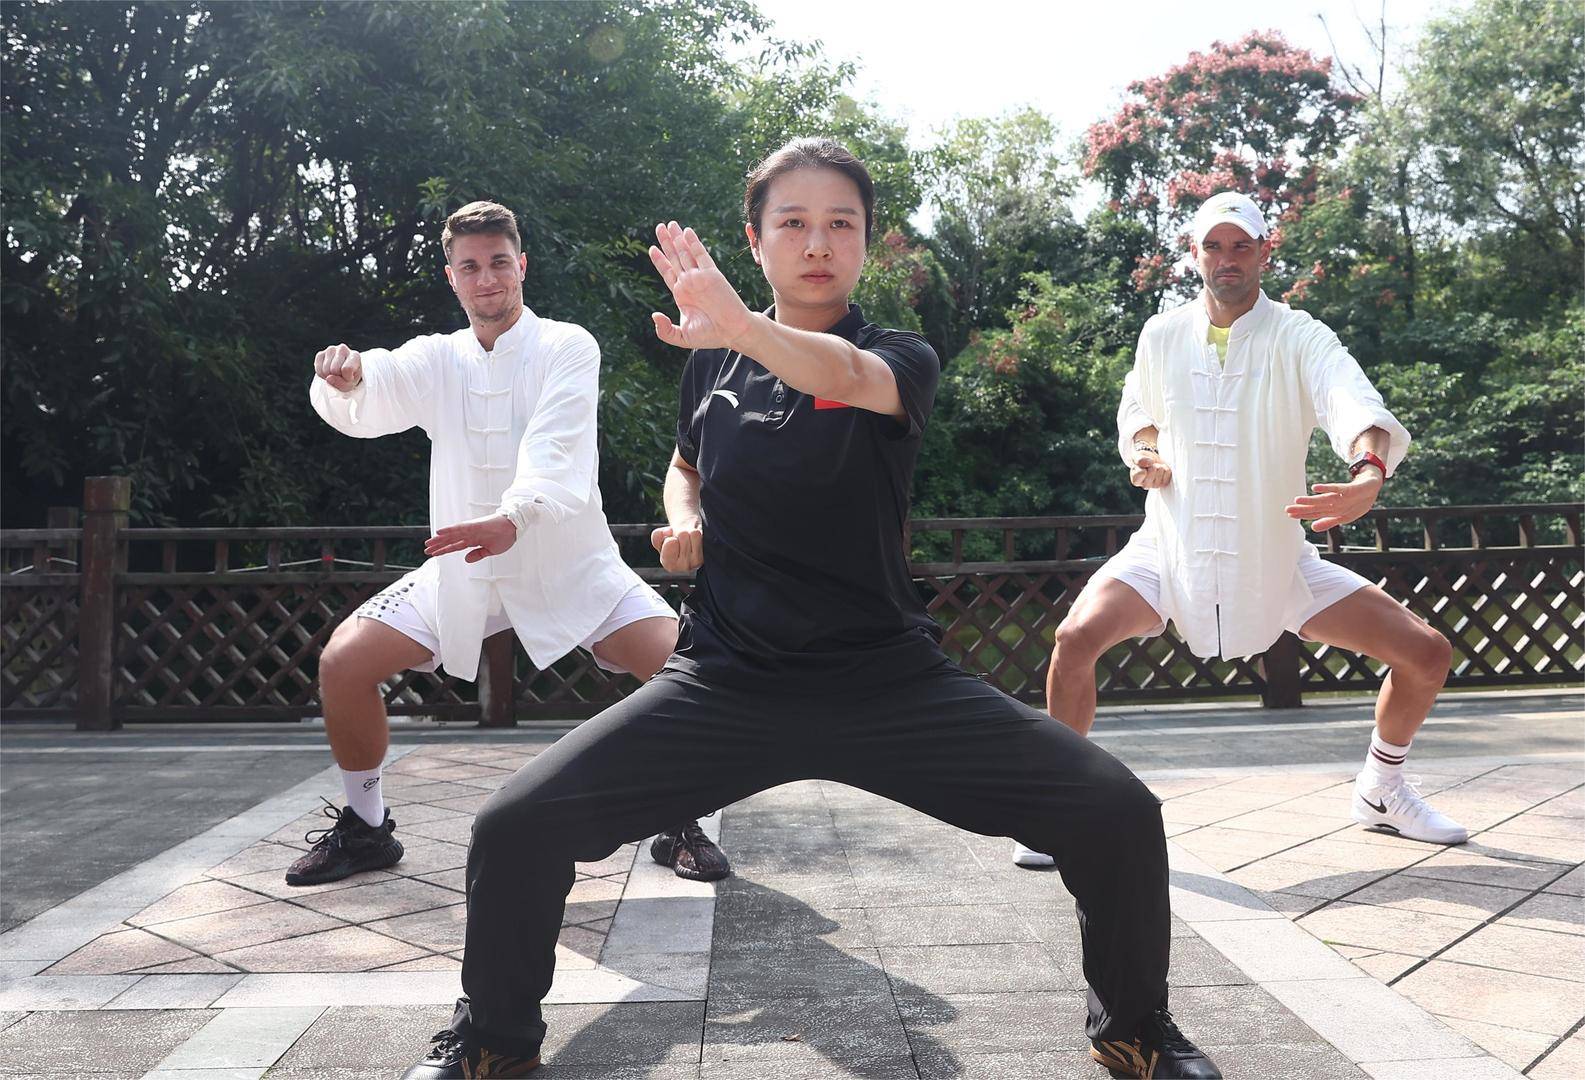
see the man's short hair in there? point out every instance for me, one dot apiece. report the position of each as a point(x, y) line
point(481, 218)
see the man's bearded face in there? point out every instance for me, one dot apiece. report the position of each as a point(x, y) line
point(1230, 261)
point(486, 273)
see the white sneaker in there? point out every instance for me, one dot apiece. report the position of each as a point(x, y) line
point(1028, 856)
point(1402, 809)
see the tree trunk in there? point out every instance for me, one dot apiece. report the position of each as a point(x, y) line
point(1408, 238)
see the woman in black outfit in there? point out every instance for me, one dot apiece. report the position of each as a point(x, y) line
point(804, 649)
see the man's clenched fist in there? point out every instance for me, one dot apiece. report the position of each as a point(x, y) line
point(681, 549)
point(339, 366)
point(1149, 471)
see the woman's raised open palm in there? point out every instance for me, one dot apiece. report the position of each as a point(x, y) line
point(710, 314)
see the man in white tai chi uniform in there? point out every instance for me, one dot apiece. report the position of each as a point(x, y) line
point(1215, 422)
point(509, 407)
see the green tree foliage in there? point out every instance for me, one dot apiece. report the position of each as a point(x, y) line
point(1024, 420)
point(898, 276)
point(1499, 101)
point(1443, 247)
point(999, 190)
point(197, 196)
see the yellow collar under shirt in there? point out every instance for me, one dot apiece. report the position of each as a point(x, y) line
point(1217, 335)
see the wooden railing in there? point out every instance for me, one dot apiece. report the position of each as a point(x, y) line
point(107, 624)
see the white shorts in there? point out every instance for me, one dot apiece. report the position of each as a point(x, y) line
point(1138, 566)
point(409, 604)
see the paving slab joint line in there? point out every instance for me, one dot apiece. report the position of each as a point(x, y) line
point(1491, 919)
point(847, 859)
point(240, 1039)
point(1328, 999)
point(1561, 1039)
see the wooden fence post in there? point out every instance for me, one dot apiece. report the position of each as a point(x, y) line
point(106, 501)
point(496, 689)
point(1280, 666)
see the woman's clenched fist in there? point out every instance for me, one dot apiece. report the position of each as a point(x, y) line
point(681, 549)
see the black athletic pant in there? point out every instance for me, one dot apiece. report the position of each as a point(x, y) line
point(945, 743)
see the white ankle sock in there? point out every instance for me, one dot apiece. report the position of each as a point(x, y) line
point(364, 795)
point(1384, 763)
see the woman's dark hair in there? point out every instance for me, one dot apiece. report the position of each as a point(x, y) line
point(808, 153)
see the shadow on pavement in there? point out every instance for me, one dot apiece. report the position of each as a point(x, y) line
point(782, 1001)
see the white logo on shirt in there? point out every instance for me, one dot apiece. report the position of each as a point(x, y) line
point(729, 395)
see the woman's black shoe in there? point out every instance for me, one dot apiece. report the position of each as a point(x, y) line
point(451, 1057)
point(1158, 1051)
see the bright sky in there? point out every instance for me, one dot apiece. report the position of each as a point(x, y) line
point(928, 62)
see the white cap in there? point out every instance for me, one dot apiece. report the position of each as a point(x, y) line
point(1228, 208)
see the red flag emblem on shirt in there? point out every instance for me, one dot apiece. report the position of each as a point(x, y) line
point(827, 403)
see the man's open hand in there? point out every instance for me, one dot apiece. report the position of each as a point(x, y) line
point(486, 536)
point(339, 366)
point(681, 549)
point(1338, 504)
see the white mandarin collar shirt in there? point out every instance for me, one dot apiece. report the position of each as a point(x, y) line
point(1236, 434)
point(512, 431)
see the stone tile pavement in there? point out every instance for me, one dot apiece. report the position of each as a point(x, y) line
point(857, 939)
point(1489, 937)
point(240, 916)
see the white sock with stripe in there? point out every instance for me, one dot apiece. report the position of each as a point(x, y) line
point(1384, 763)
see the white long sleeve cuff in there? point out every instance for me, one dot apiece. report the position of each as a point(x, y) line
point(338, 408)
point(353, 398)
point(520, 512)
point(1131, 420)
point(1355, 418)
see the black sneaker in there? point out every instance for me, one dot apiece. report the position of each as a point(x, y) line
point(690, 854)
point(1158, 1051)
point(451, 1056)
point(348, 847)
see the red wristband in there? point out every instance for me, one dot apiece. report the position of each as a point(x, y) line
point(1367, 458)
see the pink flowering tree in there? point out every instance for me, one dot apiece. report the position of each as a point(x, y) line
point(899, 278)
point(1256, 115)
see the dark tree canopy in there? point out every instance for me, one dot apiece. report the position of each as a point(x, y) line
point(197, 196)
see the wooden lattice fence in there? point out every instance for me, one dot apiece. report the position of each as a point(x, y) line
point(108, 624)
point(39, 605)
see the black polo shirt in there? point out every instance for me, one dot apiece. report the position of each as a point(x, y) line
point(805, 580)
